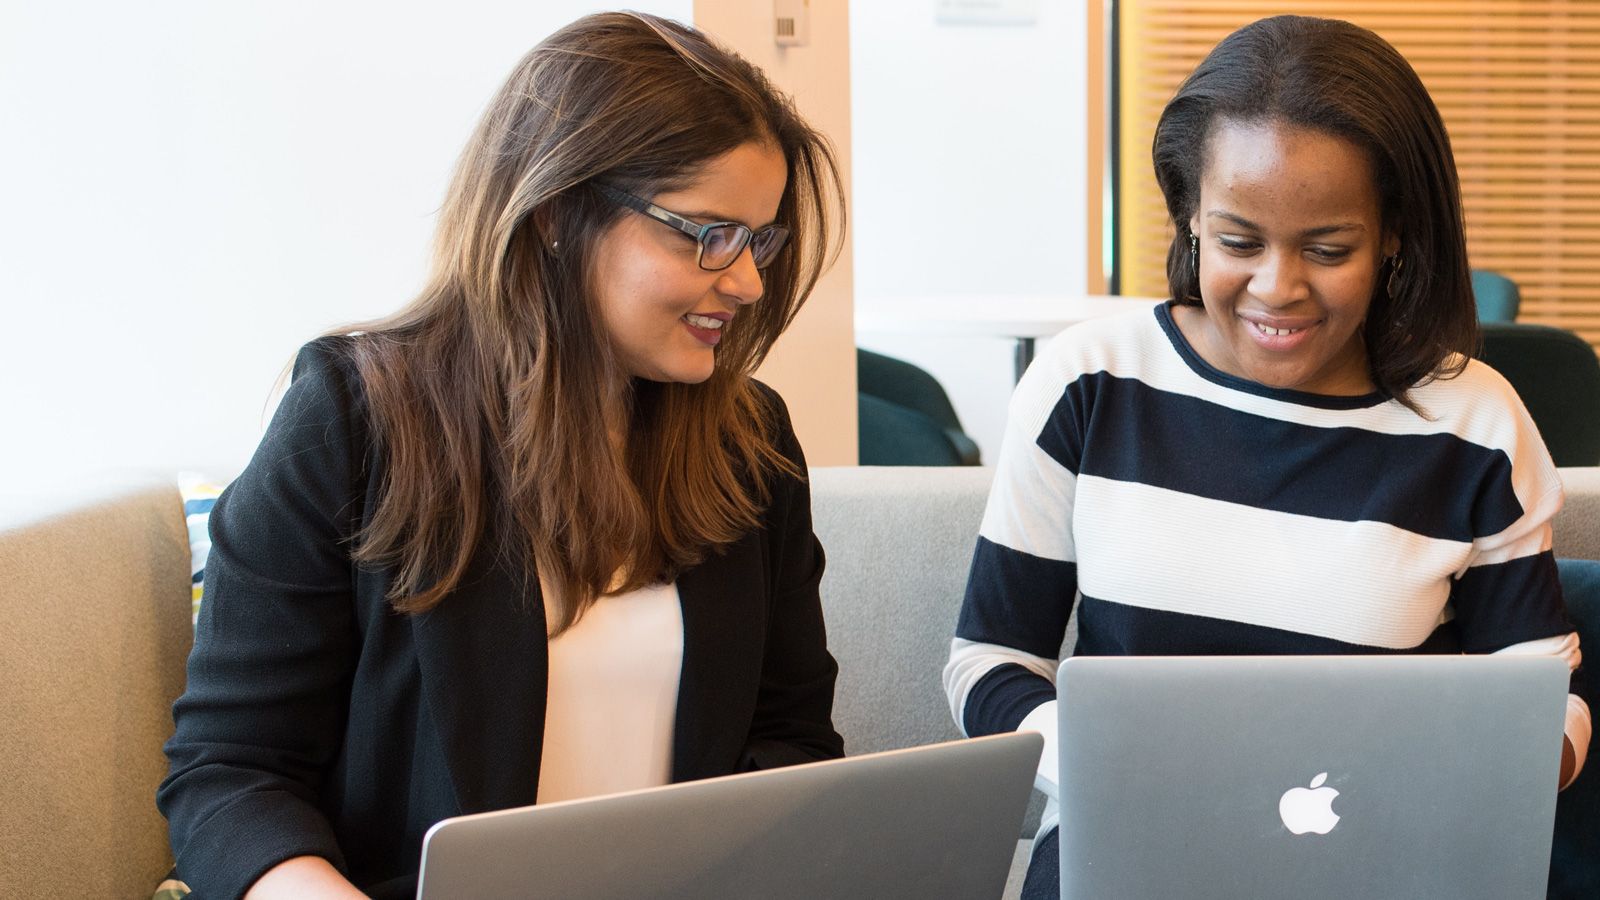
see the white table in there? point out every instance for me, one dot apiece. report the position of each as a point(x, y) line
point(1023, 318)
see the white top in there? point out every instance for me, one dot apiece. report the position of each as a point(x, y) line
point(613, 697)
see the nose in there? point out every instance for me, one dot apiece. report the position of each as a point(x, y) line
point(742, 280)
point(1280, 279)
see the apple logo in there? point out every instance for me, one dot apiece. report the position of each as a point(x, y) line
point(1309, 809)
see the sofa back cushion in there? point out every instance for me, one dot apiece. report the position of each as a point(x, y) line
point(899, 541)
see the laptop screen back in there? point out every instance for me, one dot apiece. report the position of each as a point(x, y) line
point(1311, 777)
point(940, 821)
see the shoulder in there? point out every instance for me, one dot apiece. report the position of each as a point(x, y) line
point(310, 467)
point(324, 388)
point(770, 397)
point(327, 366)
point(774, 413)
point(1131, 345)
point(1478, 405)
point(321, 423)
point(1477, 378)
point(1120, 341)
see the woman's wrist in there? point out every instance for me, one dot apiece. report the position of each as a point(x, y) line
point(303, 876)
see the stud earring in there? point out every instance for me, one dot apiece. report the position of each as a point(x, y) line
point(555, 248)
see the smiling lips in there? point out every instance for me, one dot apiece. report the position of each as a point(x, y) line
point(706, 328)
point(1281, 335)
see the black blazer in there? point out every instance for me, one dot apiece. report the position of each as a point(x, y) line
point(316, 720)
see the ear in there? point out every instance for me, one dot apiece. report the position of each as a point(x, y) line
point(1194, 223)
point(544, 224)
point(1391, 244)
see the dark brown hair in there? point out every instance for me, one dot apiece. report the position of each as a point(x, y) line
point(1334, 77)
point(489, 392)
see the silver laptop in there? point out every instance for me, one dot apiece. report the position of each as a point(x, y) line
point(939, 821)
point(1309, 777)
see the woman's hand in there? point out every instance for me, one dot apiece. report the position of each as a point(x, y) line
point(304, 877)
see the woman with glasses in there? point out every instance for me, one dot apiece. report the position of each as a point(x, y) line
point(538, 535)
point(1296, 454)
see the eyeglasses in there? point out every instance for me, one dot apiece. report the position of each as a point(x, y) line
point(720, 242)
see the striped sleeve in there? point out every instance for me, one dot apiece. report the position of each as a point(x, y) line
point(1508, 597)
point(1023, 579)
point(1509, 592)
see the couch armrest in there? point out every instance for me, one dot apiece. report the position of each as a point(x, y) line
point(95, 600)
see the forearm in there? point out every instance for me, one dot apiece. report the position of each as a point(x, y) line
point(992, 687)
point(1043, 720)
point(1575, 743)
point(1578, 723)
point(793, 721)
point(302, 877)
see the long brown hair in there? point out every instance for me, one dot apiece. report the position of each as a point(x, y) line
point(1343, 80)
point(489, 393)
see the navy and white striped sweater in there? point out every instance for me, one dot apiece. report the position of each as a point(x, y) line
point(1200, 513)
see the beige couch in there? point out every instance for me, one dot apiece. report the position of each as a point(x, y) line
point(94, 594)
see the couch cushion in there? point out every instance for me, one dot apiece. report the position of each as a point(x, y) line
point(1577, 526)
point(899, 541)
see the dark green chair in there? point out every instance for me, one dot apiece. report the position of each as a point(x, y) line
point(1556, 374)
point(1498, 296)
point(905, 417)
point(1575, 851)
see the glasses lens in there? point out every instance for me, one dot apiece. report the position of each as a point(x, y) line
point(767, 242)
point(722, 245)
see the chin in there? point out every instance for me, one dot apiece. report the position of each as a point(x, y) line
point(676, 371)
point(686, 376)
point(1315, 383)
point(1276, 378)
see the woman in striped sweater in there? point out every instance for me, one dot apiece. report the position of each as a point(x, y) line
point(1296, 454)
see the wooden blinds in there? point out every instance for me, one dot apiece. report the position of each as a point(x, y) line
point(1518, 83)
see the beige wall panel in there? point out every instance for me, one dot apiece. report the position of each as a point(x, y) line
point(814, 364)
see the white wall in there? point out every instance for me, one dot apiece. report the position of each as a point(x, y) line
point(970, 163)
point(190, 190)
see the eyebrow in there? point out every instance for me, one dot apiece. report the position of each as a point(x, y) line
point(1319, 231)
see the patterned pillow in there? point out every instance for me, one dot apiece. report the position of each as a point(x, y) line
point(199, 495)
